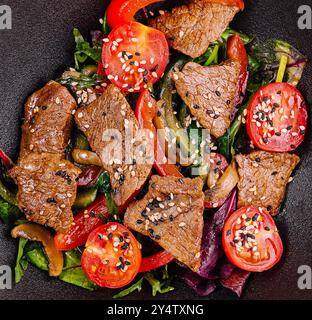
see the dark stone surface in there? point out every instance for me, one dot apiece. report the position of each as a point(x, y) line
point(38, 48)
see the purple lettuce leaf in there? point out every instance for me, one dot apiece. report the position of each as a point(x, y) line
point(201, 286)
point(212, 250)
point(236, 281)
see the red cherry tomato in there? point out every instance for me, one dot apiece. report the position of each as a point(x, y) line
point(135, 55)
point(112, 257)
point(121, 11)
point(277, 118)
point(251, 241)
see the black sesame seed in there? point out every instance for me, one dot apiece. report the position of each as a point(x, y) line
point(131, 63)
point(127, 263)
point(216, 116)
point(196, 106)
point(51, 200)
point(279, 92)
point(289, 127)
point(236, 240)
point(92, 214)
point(232, 244)
point(265, 140)
point(157, 237)
point(258, 159)
point(228, 102)
point(137, 54)
point(302, 131)
point(145, 80)
point(255, 217)
point(209, 112)
point(249, 235)
point(158, 113)
point(276, 105)
point(139, 221)
point(151, 231)
point(267, 229)
point(303, 104)
point(278, 134)
point(145, 73)
point(109, 236)
point(265, 99)
point(293, 146)
point(130, 56)
point(126, 234)
point(269, 208)
point(218, 93)
point(274, 173)
point(187, 93)
point(153, 185)
point(228, 233)
point(44, 108)
point(171, 218)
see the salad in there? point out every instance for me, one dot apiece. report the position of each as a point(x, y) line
point(164, 152)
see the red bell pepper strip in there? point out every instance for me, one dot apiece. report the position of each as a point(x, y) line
point(122, 11)
point(5, 159)
point(146, 111)
point(236, 51)
point(89, 176)
point(84, 223)
point(236, 3)
point(155, 261)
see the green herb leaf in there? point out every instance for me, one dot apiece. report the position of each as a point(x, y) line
point(77, 277)
point(84, 50)
point(73, 272)
point(106, 29)
point(8, 212)
point(135, 287)
point(21, 262)
point(157, 286)
point(104, 186)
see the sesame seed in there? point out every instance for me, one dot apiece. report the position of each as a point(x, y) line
point(182, 224)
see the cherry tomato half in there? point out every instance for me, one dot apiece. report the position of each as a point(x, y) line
point(277, 118)
point(251, 240)
point(121, 11)
point(112, 257)
point(135, 55)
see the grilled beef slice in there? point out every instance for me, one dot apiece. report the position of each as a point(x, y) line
point(209, 92)
point(112, 111)
point(263, 178)
point(192, 28)
point(48, 118)
point(172, 214)
point(46, 189)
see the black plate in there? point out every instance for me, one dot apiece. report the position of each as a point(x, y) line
point(40, 46)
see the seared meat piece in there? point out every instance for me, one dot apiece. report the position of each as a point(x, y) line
point(209, 92)
point(263, 178)
point(48, 118)
point(46, 189)
point(106, 122)
point(172, 214)
point(192, 28)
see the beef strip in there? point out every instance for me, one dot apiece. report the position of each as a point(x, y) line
point(46, 189)
point(209, 92)
point(172, 214)
point(192, 28)
point(48, 118)
point(263, 178)
point(128, 172)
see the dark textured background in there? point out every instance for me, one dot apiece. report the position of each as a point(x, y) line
point(40, 46)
